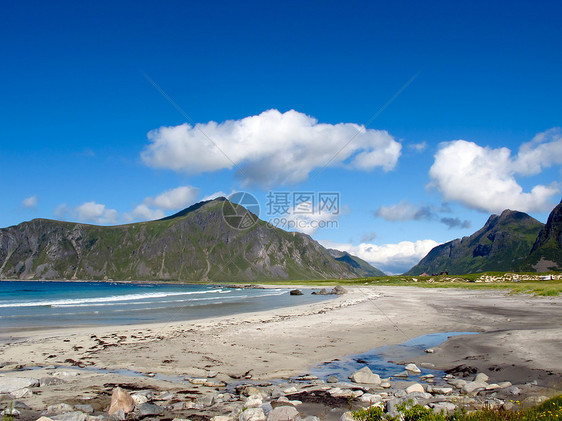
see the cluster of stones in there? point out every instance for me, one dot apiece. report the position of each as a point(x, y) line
point(282, 401)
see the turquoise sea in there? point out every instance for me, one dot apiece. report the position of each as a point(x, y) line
point(31, 305)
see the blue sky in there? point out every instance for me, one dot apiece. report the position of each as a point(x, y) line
point(87, 137)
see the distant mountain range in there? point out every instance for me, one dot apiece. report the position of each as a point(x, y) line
point(195, 244)
point(512, 241)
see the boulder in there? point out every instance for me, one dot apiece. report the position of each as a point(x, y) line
point(412, 368)
point(253, 401)
point(252, 414)
point(88, 409)
point(296, 292)
point(59, 408)
point(9, 413)
point(443, 406)
point(338, 290)
point(437, 390)
point(403, 374)
point(22, 393)
point(370, 398)
point(121, 400)
point(146, 409)
point(283, 413)
point(70, 416)
point(365, 376)
point(347, 416)
point(472, 388)
point(11, 384)
point(416, 387)
point(481, 377)
point(332, 379)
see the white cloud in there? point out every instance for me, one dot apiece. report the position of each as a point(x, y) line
point(306, 218)
point(418, 147)
point(177, 198)
point(402, 211)
point(215, 195)
point(483, 178)
point(144, 213)
point(270, 148)
point(96, 213)
point(390, 258)
point(30, 202)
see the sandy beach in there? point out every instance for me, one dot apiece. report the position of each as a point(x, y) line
point(519, 341)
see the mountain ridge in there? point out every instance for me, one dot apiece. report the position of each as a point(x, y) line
point(502, 244)
point(195, 244)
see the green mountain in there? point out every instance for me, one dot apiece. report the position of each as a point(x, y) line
point(546, 253)
point(502, 244)
point(362, 268)
point(196, 244)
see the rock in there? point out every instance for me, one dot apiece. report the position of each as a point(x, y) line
point(166, 396)
point(119, 415)
point(370, 398)
point(323, 291)
point(253, 401)
point(120, 399)
point(88, 409)
point(403, 374)
point(472, 388)
point(290, 390)
point(338, 290)
point(139, 398)
point(337, 392)
point(44, 418)
point(503, 385)
point(514, 390)
point(22, 393)
point(493, 386)
point(207, 400)
point(443, 406)
point(481, 377)
point(385, 384)
point(146, 409)
point(49, 381)
point(437, 390)
point(332, 379)
point(252, 414)
point(420, 395)
point(11, 384)
point(412, 368)
point(458, 383)
point(10, 412)
point(70, 416)
point(296, 292)
point(365, 376)
point(429, 351)
point(212, 374)
point(283, 413)
point(59, 408)
point(196, 381)
point(347, 416)
point(221, 418)
point(533, 401)
point(62, 374)
point(416, 387)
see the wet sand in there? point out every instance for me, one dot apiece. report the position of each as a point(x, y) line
point(519, 340)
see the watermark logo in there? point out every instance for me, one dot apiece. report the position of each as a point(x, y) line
point(304, 211)
point(241, 211)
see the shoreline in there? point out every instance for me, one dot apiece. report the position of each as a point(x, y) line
point(518, 340)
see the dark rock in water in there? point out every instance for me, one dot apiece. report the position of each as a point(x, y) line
point(338, 290)
point(323, 291)
point(296, 292)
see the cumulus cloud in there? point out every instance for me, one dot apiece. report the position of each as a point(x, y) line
point(483, 178)
point(30, 202)
point(407, 211)
point(307, 218)
point(96, 213)
point(143, 213)
point(390, 258)
point(177, 198)
point(270, 148)
point(154, 207)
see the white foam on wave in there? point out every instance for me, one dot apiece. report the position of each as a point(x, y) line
point(97, 300)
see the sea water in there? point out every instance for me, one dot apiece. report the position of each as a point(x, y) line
point(32, 305)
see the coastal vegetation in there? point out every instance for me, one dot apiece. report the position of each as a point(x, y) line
point(549, 410)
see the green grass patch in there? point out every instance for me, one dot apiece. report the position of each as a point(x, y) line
point(549, 410)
